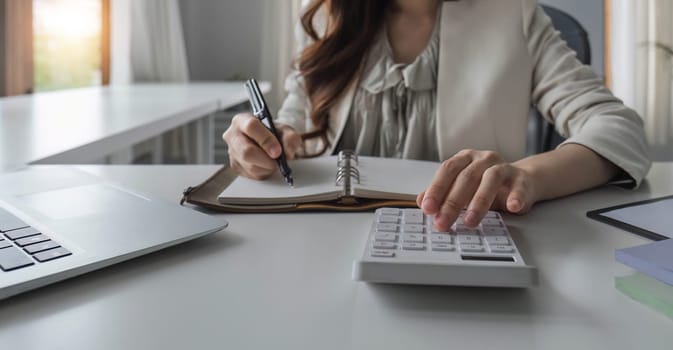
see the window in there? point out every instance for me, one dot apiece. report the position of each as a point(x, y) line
point(70, 43)
point(640, 46)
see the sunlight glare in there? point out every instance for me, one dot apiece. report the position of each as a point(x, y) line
point(67, 43)
point(67, 19)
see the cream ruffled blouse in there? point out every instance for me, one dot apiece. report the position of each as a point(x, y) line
point(395, 104)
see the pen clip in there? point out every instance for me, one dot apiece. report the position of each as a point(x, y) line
point(256, 98)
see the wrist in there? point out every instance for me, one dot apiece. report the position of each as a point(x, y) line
point(535, 179)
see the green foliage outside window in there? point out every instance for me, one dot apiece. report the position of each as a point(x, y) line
point(66, 44)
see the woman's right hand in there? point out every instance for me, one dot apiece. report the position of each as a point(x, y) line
point(253, 149)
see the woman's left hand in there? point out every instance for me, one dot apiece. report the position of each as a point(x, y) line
point(478, 181)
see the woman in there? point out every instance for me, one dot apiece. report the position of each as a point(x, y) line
point(451, 81)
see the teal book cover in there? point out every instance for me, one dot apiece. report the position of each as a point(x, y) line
point(648, 291)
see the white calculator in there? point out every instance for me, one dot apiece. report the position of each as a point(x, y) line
point(403, 247)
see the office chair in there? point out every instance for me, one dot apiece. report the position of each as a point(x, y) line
point(576, 37)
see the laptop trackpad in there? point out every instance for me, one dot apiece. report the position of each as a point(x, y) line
point(82, 201)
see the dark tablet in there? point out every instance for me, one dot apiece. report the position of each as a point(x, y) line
point(634, 221)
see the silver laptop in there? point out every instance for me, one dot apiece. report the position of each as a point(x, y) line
point(59, 222)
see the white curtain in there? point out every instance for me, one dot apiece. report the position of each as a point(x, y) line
point(280, 21)
point(642, 69)
point(157, 45)
point(147, 42)
point(148, 46)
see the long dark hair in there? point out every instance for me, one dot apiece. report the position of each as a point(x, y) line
point(334, 58)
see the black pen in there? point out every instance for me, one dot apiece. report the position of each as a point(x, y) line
point(261, 111)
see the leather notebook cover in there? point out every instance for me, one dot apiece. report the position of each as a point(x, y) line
point(382, 183)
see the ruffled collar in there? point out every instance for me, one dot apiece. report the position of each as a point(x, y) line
point(384, 73)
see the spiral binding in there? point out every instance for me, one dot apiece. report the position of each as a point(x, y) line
point(347, 155)
point(347, 162)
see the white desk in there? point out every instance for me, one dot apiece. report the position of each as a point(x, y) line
point(284, 282)
point(82, 125)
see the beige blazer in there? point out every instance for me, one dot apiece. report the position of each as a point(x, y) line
point(497, 59)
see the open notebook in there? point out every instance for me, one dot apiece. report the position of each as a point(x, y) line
point(345, 182)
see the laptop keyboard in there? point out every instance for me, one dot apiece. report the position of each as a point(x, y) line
point(23, 246)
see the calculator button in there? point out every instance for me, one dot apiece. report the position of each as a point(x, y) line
point(12, 259)
point(390, 211)
point(464, 230)
point(491, 222)
point(51, 254)
point(414, 238)
point(472, 248)
point(501, 249)
point(433, 230)
point(40, 247)
point(497, 240)
point(413, 217)
point(5, 244)
point(441, 238)
point(443, 247)
point(21, 233)
point(385, 245)
point(385, 237)
point(469, 240)
point(386, 228)
point(413, 246)
point(413, 228)
point(491, 215)
point(383, 254)
point(31, 240)
point(388, 219)
point(494, 231)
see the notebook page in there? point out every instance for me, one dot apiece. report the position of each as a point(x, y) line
point(313, 181)
point(391, 178)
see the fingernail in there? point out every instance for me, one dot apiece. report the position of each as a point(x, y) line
point(429, 203)
point(514, 205)
point(440, 224)
point(471, 219)
point(274, 151)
